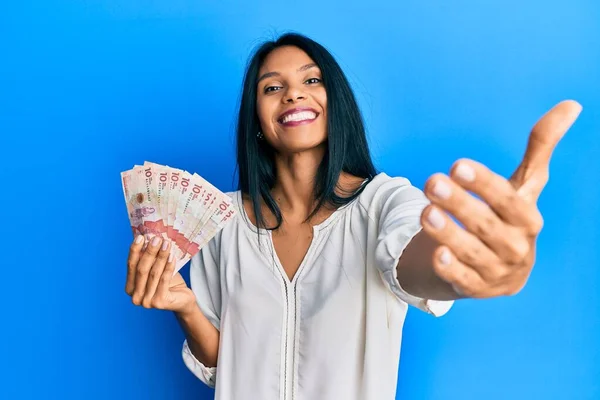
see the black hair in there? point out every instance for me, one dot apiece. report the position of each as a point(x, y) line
point(347, 147)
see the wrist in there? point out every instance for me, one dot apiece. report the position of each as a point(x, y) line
point(188, 311)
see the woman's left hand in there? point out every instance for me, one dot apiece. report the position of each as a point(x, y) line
point(494, 253)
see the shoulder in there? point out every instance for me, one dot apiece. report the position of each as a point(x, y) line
point(384, 192)
point(382, 185)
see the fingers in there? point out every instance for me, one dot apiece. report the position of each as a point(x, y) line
point(132, 260)
point(154, 253)
point(156, 273)
point(162, 290)
point(465, 280)
point(498, 193)
point(466, 248)
point(476, 216)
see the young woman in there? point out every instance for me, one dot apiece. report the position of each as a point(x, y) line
point(304, 295)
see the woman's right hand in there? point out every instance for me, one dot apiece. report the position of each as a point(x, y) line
point(150, 279)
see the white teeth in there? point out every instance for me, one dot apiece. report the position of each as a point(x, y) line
point(300, 116)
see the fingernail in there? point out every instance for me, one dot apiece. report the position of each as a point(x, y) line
point(442, 190)
point(445, 257)
point(465, 172)
point(155, 241)
point(171, 257)
point(139, 239)
point(165, 244)
point(436, 219)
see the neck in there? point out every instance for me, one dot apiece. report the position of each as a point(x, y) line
point(295, 185)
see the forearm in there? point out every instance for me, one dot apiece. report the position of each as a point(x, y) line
point(201, 335)
point(416, 274)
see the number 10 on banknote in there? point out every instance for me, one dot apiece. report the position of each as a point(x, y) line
point(177, 205)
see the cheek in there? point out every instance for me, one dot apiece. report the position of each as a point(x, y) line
point(264, 110)
point(323, 101)
point(260, 108)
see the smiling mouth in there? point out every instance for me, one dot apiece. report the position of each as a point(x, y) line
point(298, 117)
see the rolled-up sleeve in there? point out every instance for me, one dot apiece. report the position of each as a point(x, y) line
point(205, 283)
point(202, 372)
point(399, 205)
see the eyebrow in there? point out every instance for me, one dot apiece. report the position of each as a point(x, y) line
point(275, 73)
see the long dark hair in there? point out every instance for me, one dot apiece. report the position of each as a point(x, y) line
point(347, 148)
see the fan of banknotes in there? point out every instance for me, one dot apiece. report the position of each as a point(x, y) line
point(177, 205)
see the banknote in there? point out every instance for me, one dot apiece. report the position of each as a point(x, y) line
point(177, 205)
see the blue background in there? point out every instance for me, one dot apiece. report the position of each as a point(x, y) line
point(89, 88)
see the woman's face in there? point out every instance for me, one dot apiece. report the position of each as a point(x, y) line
point(291, 101)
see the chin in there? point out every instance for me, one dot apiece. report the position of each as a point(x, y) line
point(299, 146)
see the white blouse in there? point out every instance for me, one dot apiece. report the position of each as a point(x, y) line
point(334, 331)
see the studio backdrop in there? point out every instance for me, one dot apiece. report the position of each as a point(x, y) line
point(90, 88)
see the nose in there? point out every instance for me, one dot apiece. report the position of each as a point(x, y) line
point(294, 94)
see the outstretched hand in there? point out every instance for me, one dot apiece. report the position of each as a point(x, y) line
point(494, 252)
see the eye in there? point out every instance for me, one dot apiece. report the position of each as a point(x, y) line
point(272, 88)
point(313, 81)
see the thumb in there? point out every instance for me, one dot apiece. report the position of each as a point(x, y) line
point(532, 174)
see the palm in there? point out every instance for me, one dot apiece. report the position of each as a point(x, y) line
point(179, 293)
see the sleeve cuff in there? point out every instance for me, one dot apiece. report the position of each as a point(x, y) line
point(433, 307)
point(205, 374)
point(394, 249)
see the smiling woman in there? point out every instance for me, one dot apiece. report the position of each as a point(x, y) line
point(283, 78)
point(304, 295)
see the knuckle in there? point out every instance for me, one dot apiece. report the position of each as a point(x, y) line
point(133, 249)
point(143, 268)
point(165, 278)
point(518, 251)
point(140, 275)
point(153, 275)
point(471, 255)
point(151, 251)
point(537, 223)
point(508, 202)
point(469, 286)
point(499, 274)
point(157, 303)
point(484, 226)
point(465, 280)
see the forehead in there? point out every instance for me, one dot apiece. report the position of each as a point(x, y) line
point(285, 58)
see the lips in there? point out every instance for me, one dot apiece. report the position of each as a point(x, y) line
point(298, 116)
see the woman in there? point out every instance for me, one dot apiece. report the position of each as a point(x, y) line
point(304, 295)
